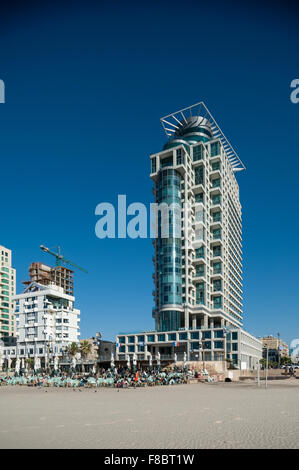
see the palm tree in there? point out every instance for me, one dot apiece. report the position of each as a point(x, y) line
point(72, 349)
point(29, 362)
point(85, 350)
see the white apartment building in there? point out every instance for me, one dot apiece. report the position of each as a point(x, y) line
point(7, 293)
point(46, 321)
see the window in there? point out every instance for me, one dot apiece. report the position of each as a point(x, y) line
point(171, 337)
point(167, 161)
point(215, 166)
point(217, 234)
point(217, 285)
point(218, 334)
point(216, 183)
point(200, 252)
point(200, 270)
point(217, 251)
point(180, 159)
point(215, 149)
point(199, 197)
point(153, 165)
point(217, 216)
point(195, 335)
point(182, 336)
point(218, 344)
point(206, 334)
point(161, 337)
point(197, 153)
point(198, 175)
point(217, 302)
point(151, 338)
point(131, 339)
point(200, 293)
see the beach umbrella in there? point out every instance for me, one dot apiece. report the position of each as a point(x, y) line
point(112, 361)
point(17, 367)
point(150, 361)
point(23, 363)
point(56, 362)
point(134, 361)
point(158, 359)
point(35, 364)
point(175, 359)
point(74, 363)
point(185, 359)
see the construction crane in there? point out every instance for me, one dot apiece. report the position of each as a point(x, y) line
point(59, 258)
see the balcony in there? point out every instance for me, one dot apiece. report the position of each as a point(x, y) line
point(215, 173)
point(215, 190)
point(217, 275)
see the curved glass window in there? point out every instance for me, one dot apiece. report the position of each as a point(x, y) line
point(169, 243)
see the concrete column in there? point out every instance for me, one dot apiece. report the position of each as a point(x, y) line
point(188, 351)
point(211, 323)
point(194, 322)
point(186, 319)
point(205, 321)
point(222, 321)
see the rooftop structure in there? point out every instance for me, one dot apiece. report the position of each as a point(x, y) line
point(46, 275)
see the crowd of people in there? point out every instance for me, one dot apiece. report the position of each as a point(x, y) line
point(117, 378)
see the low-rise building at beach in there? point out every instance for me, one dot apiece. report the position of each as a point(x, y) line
point(276, 348)
point(233, 344)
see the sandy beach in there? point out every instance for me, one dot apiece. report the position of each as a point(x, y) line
point(201, 416)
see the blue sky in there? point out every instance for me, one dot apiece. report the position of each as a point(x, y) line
point(86, 85)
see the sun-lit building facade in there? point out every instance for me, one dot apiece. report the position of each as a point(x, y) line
point(198, 303)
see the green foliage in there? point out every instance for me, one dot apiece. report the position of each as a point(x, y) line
point(72, 349)
point(85, 348)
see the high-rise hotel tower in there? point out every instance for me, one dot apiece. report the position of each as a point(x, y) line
point(198, 251)
point(198, 276)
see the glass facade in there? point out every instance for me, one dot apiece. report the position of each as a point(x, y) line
point(169, 320)
point(169, 249)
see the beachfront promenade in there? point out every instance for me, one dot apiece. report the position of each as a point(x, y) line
point(223, 415)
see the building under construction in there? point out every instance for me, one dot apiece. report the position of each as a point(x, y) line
point(59, 275)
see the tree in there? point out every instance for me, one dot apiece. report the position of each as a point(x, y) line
point(85, 350)
point(29, 362)
point(263, 362)
point(72, 349)
point(285, 360)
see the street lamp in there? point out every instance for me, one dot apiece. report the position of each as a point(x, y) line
point(267, 365)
